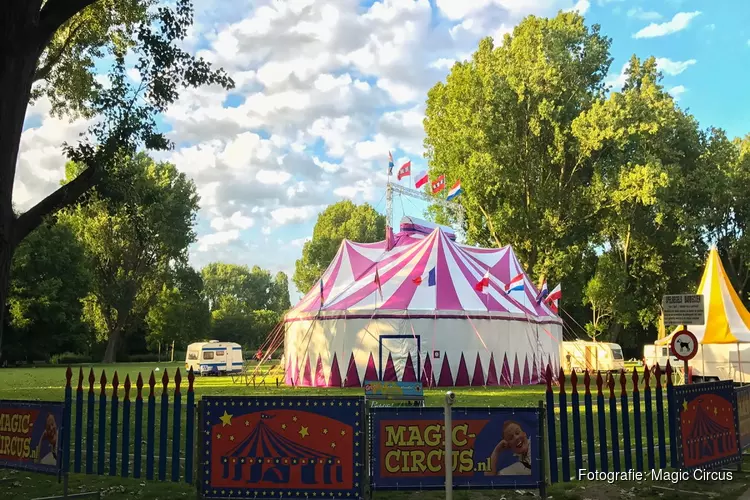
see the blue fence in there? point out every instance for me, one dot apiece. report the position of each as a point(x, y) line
point(108, 434)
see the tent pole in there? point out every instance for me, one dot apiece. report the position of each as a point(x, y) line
point(739, 364)
point(703, 359)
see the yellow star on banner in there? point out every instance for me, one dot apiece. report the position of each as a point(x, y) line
point(716, 412)
point(226, 419)
point(684, 405)
point(333, 445)
point(247, 423)
point(343, 432)
point(303, 432)
point(294, 418)
point(218, 436)
point(283, 426)
point(325, 431)
point(231, 438)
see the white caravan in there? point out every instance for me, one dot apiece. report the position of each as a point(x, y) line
point(581, 355)
point(214, 357)
point(659, 355)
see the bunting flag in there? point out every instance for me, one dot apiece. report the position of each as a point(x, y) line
point(405, 170)
point(390, 163)
point(421, 179)
point(553, 298)
point(438, 184)
point(455, 191)
point(321, 293)
point(543, 293)
point(516, 284)
point(377, 282)
point(431, 278)
point(483, 284)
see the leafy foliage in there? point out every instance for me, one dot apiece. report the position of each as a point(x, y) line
point(342, 220)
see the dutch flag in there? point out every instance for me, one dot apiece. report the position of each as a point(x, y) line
point(516, 284)
point(455, 191)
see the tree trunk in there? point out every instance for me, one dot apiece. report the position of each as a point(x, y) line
point(19, 52)
point(113, 344)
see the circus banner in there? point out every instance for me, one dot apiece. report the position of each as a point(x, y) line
point(706, 424)
point(492, 448)
point(282, 447)
point(743, 414)
point(30, 436)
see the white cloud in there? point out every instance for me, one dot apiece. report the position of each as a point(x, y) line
point(272, 176)
point(299, 242)
point(643, 15)
point(679, 22)
point(672, 68)
point(235, 221)
point(677, 91)
point(581, 6)
point(616, 82)
point(290, 215)
point(205, 243)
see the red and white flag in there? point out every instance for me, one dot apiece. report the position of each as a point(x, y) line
point(405, 170)
point(483, 284)
point(421, 179)
point(553, 299)
point(438, 184)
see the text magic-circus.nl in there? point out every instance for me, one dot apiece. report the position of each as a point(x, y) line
point(655, 475)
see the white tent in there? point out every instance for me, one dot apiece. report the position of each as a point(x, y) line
point(419, 312)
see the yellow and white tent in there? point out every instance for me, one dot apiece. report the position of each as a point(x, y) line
point(727, 319)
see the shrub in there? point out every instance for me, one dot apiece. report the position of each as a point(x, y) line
point(70, 358)
point(146, 358)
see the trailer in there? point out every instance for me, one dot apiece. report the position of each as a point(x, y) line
point(711, 363)
point(214, 358)
point(658, 355)
point(582, 355)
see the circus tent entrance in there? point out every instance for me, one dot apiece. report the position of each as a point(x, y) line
point(398, 356)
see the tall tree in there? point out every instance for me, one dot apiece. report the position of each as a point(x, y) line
point(132, 237)
point(342, 220)
point(56, 43)
point(181, 313)
point(644, 150)
point(501, 124)
point(51, 277)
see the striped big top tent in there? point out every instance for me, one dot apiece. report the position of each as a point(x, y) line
point(418, 312)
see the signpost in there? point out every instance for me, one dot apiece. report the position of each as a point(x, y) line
point(684, 345)
point(684, 310)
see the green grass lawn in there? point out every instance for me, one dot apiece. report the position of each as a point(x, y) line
point(48, 383)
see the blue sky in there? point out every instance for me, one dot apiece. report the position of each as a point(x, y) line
point(325, 88)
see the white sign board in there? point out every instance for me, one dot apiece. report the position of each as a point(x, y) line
point(683, 310)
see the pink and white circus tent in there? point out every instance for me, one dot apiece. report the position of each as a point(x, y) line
point(408, 309)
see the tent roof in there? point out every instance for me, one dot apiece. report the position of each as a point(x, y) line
point(727, 319)
point(349, 282)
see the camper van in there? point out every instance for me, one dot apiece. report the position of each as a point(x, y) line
point(659, 355)
point(581, 355)
point(214, 357)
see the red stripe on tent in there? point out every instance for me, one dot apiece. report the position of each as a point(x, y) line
point(359, 263)
point(428, 379)
point(335, 379)
point(404, 294)
point(389, 375)
point(352, 375)
point(447, 298)
point(488, 300)
point(307, 375)
point(526, 380)
point(478, 378)
point(402, 316)
point(446, 377)
point(409, 373)
point(505, 372)
point(320, 377)
point(370, 372)
point(492, 372)
point(516, 372)
point(462, 377)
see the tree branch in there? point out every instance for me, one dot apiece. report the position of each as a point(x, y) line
point(65, 195)
point(55, 13)
point(490, 226)
point(51, 61)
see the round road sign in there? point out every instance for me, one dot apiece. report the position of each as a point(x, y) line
point(684, 345)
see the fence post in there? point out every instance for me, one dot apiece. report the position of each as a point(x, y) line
point(603, 458)
point(589, 410)
point(66, 424)
point(150, 428)
point(671, 417)
point(163, 427)
point(189, 428)
point(627, 447)
point(614, 428)
point(576, 406)
point(176, 415)
point(126, 429)
point(102, 424)
point(551, 426)
point(564, 442)
point(648, 403)
point(138, 427)
point(660, 420)
point(90, 425)
point(78, 441)
point(114, 428)
point(637, 422)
